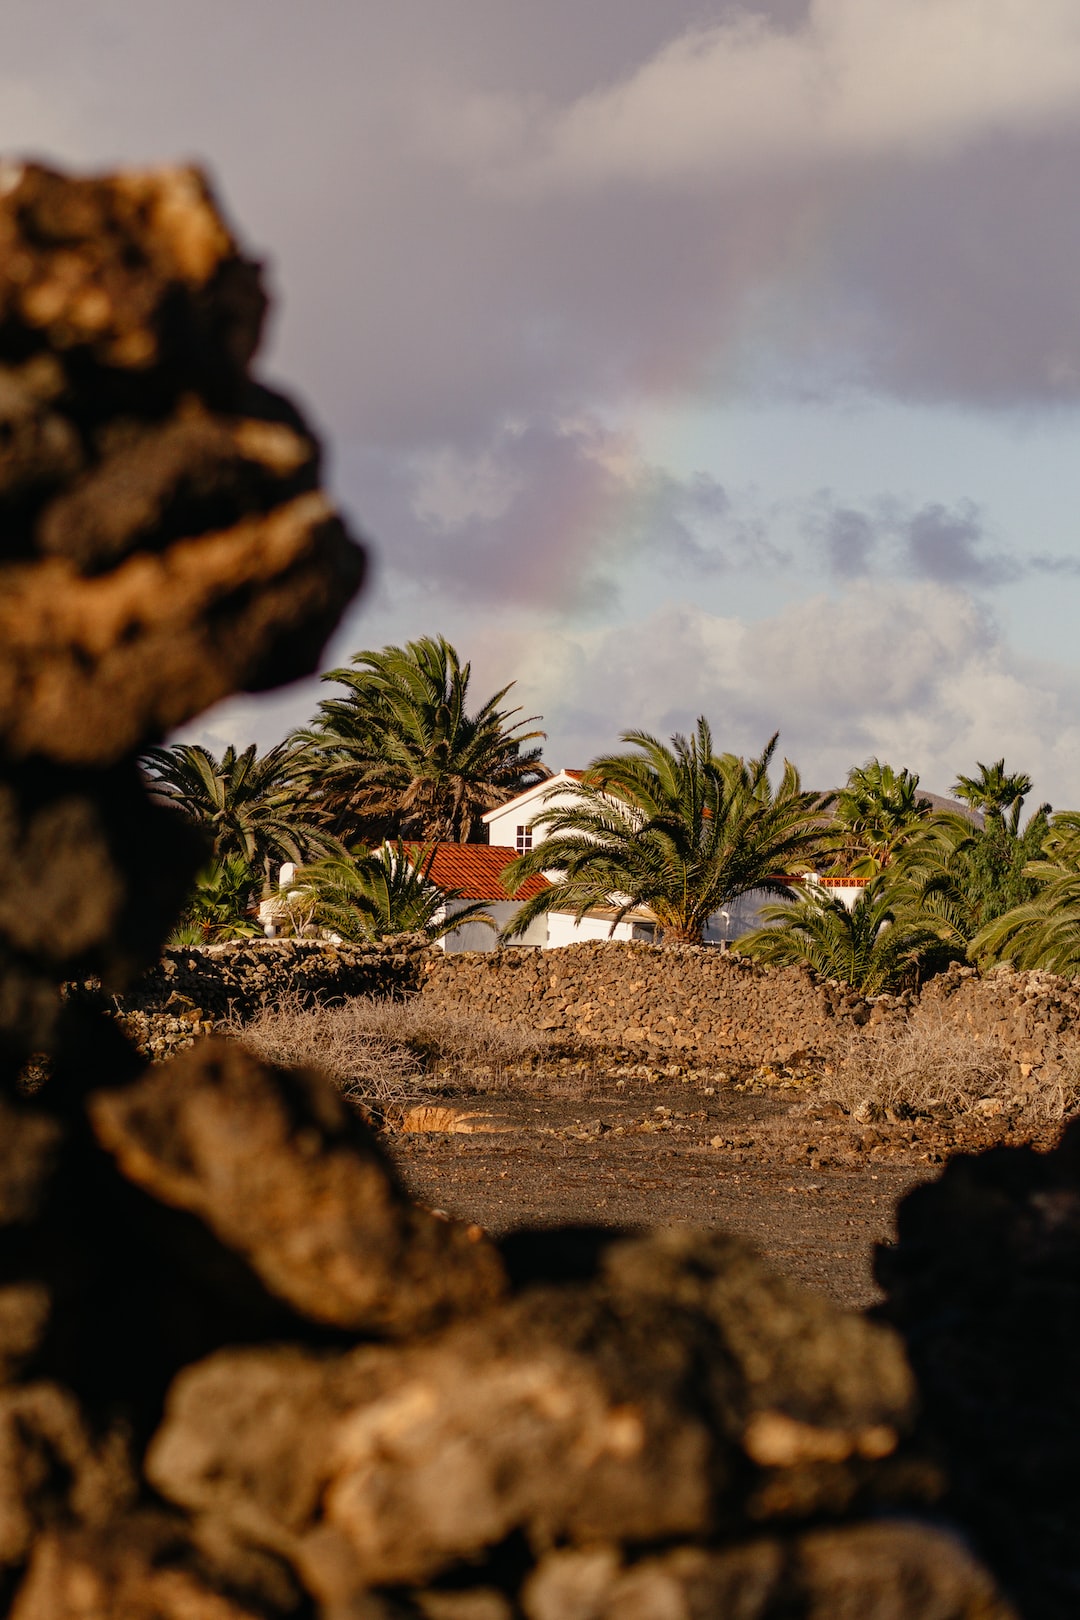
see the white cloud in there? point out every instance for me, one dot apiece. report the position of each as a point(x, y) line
point(860, 78)
point(922, 676)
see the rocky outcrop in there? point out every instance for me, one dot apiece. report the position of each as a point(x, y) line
point(984, 1284)
point(191, 991)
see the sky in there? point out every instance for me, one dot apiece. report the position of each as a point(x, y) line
point(673, 356)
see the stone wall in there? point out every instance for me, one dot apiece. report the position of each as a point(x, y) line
point(700, 1004)
point(193, 989)
point(684, 1003)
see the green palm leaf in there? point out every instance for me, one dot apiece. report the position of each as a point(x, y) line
point(875, 945)
point(401, 755)
point(375, 895)
point(678, 830)
point(254, 806)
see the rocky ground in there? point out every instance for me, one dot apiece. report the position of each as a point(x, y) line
point(813, 1188)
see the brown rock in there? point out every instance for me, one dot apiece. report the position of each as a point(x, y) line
point(984, 1284)
point(95, 668)
point(282, 1172)
point(25, 1308)
point(192, 474)
point(144, 1568)
point(132, 274)
point(893, 1571)
point(630, 1409)
point(52, 1468)
point(30, 1142)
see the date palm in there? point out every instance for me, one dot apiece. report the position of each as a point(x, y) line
point(402, 754)
point(874, 815)
point(219, 906)
point(877, 945)
point(250, 804)
point(969, 872)
point(1044, 932)
point(679, 830)
point(995, 792)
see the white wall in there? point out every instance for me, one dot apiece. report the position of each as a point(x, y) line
point(477, 936)
point(502, 824)
point(744, 914)
point(563, 930)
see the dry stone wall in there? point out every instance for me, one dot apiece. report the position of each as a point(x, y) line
point(703, 1005)
point(195, 989)
point(685, 1004)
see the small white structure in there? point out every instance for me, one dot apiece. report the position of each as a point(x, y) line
point(510, 826)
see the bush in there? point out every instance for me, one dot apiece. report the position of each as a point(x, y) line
point(383, 1052)
point(929, 1066)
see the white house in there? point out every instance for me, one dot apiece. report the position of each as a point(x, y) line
point(511, 827)
point(474, 872)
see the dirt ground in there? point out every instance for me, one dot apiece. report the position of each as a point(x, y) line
point(815, 1190)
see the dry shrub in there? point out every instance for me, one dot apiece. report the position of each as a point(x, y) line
point(927, 1065)
point(384, 1052)
point(368, 1066)
point(442, 1039)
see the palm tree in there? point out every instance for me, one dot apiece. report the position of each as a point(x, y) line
point(252, 805)
point(1044, 931)
point(402, 756)
point(874, 815)
point(995, 791)
point(675, 829)
point(370, 896)
point(969, 874)
point(218, 906)
point(875, 946)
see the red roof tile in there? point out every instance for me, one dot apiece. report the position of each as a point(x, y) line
point(475, 870)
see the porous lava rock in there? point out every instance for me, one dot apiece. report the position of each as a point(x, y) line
point(163, 542)
point(282, 1172)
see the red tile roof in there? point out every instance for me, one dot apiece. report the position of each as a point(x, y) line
point(475, 870)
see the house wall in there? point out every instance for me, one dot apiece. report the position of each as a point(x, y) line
point(563, 930)
point(504, 822)
point(477, 936)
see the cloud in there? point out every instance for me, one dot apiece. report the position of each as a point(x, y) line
point(877, 193)
point(932, 542)
point(552, 515)
point(861, 79)
point(920, 675)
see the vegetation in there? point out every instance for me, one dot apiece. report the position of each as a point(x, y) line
point(219, 905)
point(402, 756)
point(1043, 931)
point(679, 830)
point(374, 895)
point(874, 816)
point(252, 805)
point(879, 943)
point(675, 830)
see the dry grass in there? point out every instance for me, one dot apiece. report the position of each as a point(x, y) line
point(929, 1066)
point(387, 1054)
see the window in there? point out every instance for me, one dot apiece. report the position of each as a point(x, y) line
point(524, 839)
